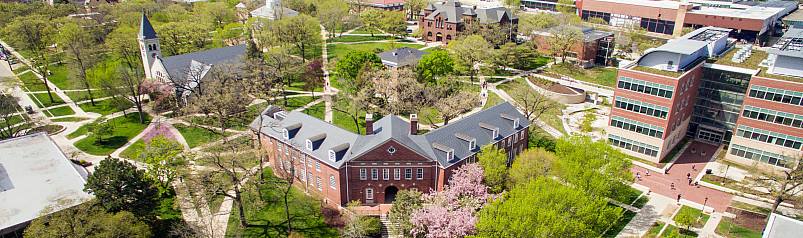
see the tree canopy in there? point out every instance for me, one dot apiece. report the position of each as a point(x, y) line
point(120, 186)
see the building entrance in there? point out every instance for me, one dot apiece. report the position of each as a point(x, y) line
point(390, 194)
point(706, 134)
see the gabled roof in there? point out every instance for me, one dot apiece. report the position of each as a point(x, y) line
point(392, 127)
point(453, 12)
point(178, 66)
point(494, 15)
point(401, 56)
point(145, 29)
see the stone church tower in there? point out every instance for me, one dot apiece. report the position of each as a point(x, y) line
point(148, 45)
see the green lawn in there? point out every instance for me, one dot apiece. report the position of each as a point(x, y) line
point(299, 86)
point(311, 52)
point(433, 49)
point(78, 96)
point(243, 143)
point(20, 69)
point(343, 120)
point(125, 128)
point(61, 111)
point(695, 211)
point(196, 136)
point(365, 30)
point(728, 229)
point(531, 63)
point(335, 51)
point(106, 107)
point(619, 224)
point(59, 77)
point(654, 229)
point(292, 103)
point(631, 194)
point(44, 99)
point(70, 119)
point(132, 151)
point(31, 82)
point(267, 218)
point(316, 110)
point(351, 38)
point(493, 100)
point(641, 202)
point(670, 229)
point(597, 75)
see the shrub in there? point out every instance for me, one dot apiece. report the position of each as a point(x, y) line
point(373, 227)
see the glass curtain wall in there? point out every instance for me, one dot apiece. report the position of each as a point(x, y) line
point(720, 96)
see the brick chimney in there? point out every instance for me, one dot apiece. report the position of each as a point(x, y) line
point(369, 124)
point(413, 124)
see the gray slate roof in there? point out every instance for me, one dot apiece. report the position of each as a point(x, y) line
point(145, 29)
point(589, 33)
point(402, 56)
point(390, 127)
point(177, 66)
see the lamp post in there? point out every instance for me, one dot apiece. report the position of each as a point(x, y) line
point(726, 174)
point(701, 211)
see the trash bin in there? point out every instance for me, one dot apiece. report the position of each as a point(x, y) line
point(708, 171)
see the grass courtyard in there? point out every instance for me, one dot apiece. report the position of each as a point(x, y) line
point(336, 51)
point(124, 129)
point(597, 75)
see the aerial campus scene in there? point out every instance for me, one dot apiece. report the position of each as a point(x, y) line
point(401, 118)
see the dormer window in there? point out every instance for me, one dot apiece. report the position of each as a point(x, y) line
point(450, 155)
point(286, 134)
point(495, 133)
point(515, 123)
point(332, 155)
point(471, 144)
point(494, 130)
point(309, 145)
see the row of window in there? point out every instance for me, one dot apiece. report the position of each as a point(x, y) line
point(634, 146)
point(408, 174)
point(778, 95)
point(642, 107)
point(637, 126)
point(781, 118)
point(761, 156)
point(315, 180)
point(646, 87)
point(769, 137)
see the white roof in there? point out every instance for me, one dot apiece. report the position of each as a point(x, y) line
point(34, 174)
point(781, 227)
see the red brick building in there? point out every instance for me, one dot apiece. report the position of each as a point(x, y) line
point(749, 20)
point(342, 166)
point(440, 22)
point(596, 47)
point(701, 86)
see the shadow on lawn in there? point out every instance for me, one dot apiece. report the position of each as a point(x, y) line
point(111, 143)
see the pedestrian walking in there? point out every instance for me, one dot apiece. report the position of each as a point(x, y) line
point(695, 183)
point(689, 182)
point(638, 176)
point(688, 175)
point(647, 173)
point(672, 186)
point(666, 171)
point(678, 197)
point(692, 167)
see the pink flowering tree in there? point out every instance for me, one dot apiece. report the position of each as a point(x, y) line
point(452, 213)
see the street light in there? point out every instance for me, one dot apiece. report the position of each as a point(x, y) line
point(701, 211)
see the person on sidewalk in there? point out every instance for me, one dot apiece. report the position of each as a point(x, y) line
point(689, 182)
point(672, 186)
point(638, 175)
point(678, 197)
point(647, 173)
point(692, 167)
point(688, 175)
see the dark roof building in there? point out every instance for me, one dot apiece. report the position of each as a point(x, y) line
point(441, 21)
point(596, 47)
point(401, 57)
point(392, 155)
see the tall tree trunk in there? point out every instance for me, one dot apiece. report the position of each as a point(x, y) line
point(88, 90)
point(238, 199)
point(778, 201)
point(141, 114)
point(287, 208)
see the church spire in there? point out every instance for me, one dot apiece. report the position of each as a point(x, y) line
point(145, 29)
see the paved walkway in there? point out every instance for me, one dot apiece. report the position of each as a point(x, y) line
point(540, 123)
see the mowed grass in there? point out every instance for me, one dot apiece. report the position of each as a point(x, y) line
point(673, 231)
point(365, 30)
point(619, 224)
point(267, 218)
point(133, 150)
point(78, 96)
point(654, 229)
point(70, 119)
point(44, 99)
point(352, 38)
point(58, 77)
point(61, 111)
point(696, 212)
point(493, 100)
point(124, 129)
point(197, 136)
point(106, 107)
point(31, 82)
point(728, 228)
point(597, 75)
point(336, 51)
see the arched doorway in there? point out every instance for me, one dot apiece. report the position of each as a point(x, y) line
point(439, 37)
point(390, 194)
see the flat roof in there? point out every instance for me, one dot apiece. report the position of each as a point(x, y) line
point(744, 9)
point(780, 227)
point(34, 174)
point(790, 44)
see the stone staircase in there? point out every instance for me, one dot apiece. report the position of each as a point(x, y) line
point(387, 226)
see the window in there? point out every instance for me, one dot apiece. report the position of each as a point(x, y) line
point(286, 134)
point(374, 174)
point(363, 174)
point(279, 148)
point(472, 144)
point(309, 162)
point(515, 123)
point(386, 174)
point(645, 87)
point(495, 133)
point(420, 174)
point(408, 173)
point(318, 179)
point(318, 165)
point(450, 155)
point(303, 174)
point(310, 179)
point(309, 145)
point(369, 194)
point(391, 150)
point(332, 155)
point(397, 174)
point(332, 181)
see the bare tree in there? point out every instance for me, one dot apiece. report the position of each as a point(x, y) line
point(222, 103)
point(780, 184)
point(454, 105)
point(532, 102)
point(563, 39)
point(230, 170)
point(354, 106)
point(13, 121)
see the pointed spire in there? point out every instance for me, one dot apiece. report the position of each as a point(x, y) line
point(145, 29)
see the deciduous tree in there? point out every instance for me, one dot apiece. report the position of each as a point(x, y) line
point(13, 120)
point(563, 39)
point(349, 67)
point(594, 167)
point(780, 184)
point(77, 44)
point(494, 164)
point(414, 7)
point(470, 51)
point(532, 102)
point(531, 164)
point(407, 202)
point(438, 63)
point(371, 19)
point(85, 220)
point(33, 33)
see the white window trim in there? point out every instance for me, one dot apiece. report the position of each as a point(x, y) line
point(472, 144)
point(396, 174)
point(369, 194)
point(374, 174)
point(319, 185)
point(419, 174)
point(285, 133)
point(317, 166)
point(411, 174)
point(495, 133)
point(386, 174)
point(332, 155)
point(332, 181)
point(363, 174)
point(450, 155)
point(309, 145)
point(311, 178)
